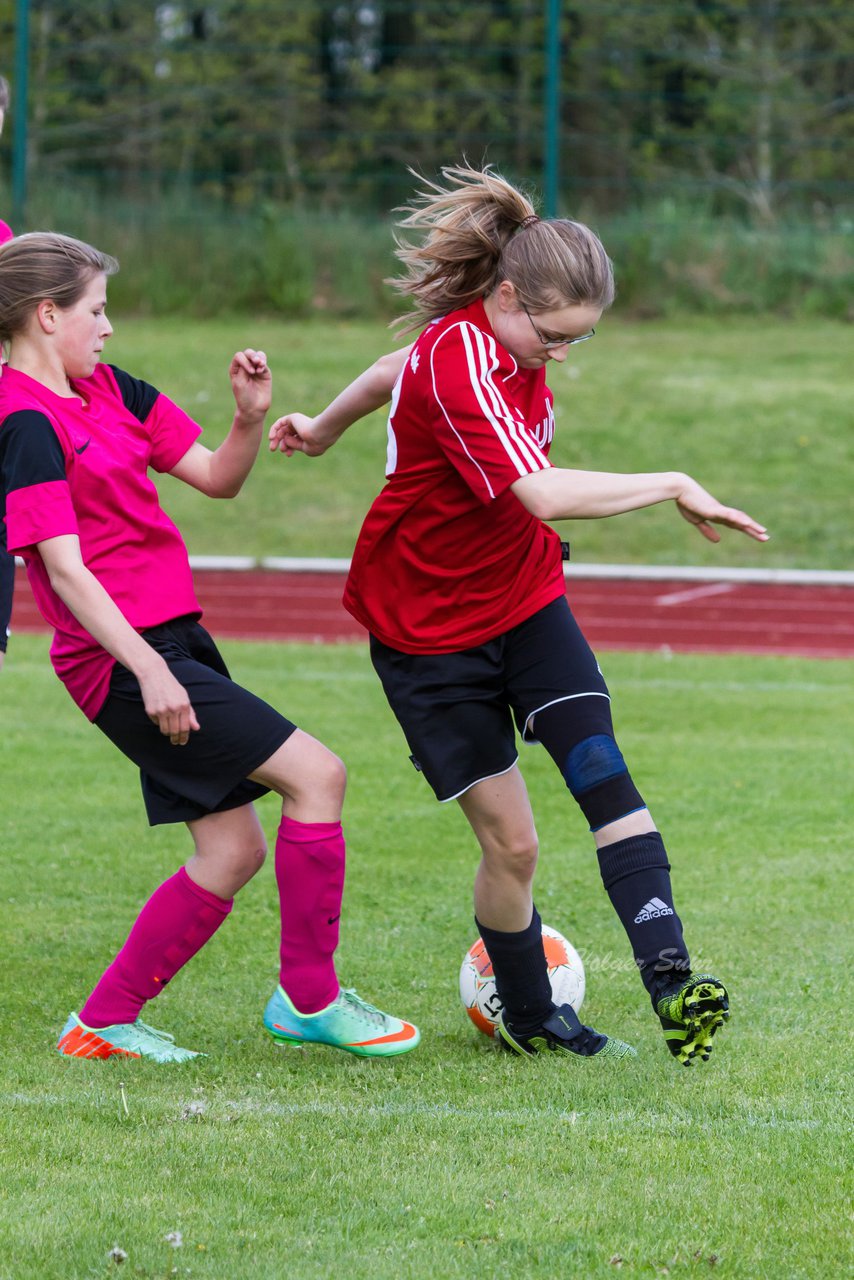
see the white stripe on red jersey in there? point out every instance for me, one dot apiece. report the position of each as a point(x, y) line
point(482, 357)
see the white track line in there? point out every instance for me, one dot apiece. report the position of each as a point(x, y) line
point(701, 573)
point(436, 1112)
point(695, 593)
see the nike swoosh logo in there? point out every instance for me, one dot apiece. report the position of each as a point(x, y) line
point(83, 447)
point(332, 919)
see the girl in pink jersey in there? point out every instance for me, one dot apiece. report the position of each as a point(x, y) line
point(459, 580)
point(7, 562)
point(110, 573)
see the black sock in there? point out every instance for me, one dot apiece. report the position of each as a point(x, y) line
point(521, 974)
point(636, 874)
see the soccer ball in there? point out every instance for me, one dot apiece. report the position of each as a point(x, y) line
point(477, 981)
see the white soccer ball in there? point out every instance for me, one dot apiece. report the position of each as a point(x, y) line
point(477, 981)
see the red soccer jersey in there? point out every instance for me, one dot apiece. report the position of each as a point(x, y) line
point(81, 467)
point(448, 557)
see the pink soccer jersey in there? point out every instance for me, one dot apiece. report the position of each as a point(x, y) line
point(72, 465)
point(6, 232)
point(448, 557)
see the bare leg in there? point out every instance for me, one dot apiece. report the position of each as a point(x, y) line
point(310, 779)
point(230, 848)
point(499, 812)
point(634, 824)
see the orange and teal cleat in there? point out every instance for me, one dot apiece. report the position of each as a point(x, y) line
point(349, 1023)
point(123, 1040)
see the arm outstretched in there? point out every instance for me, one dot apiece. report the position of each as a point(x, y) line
point(298, 433)
point(561, 494)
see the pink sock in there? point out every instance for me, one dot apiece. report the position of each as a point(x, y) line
point(310, 874)
point(174, 924)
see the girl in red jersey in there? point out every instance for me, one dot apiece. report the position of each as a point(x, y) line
point(460, 583)
point(111, 575)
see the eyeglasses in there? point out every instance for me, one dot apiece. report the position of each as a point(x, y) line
point(556, 342)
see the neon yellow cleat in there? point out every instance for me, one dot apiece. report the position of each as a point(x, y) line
point(690, 1013)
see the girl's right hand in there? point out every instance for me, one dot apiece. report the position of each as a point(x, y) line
point(296, 433)
point(167, 704)
point(696, 505)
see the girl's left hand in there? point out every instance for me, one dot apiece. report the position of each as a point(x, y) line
point(251, 382)
point(699, 508)
point(296, 433)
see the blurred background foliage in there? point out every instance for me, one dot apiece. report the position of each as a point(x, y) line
point(246, 156)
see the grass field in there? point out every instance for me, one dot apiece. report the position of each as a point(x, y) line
point(757, 409)
point(453, 1161)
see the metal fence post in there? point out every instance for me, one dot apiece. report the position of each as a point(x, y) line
point(551, 141)
point(21, 108)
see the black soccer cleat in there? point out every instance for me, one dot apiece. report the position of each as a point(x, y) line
point(562, 1032)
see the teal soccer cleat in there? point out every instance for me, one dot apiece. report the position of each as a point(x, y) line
point(349, 1023)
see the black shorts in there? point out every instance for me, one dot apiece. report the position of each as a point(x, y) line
point(457, 709)
point(7, 586)
point(237, 733)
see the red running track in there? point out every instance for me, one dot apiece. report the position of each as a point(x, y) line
point(684, 617)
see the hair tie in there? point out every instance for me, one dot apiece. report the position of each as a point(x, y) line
point(528, 222)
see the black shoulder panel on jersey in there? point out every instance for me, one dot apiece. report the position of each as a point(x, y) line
point(138, 396)
point(30, 452)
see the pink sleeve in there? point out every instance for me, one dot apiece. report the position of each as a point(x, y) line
point(6, 232)
point(38, 512)
point(480, 430)
point(172, 432)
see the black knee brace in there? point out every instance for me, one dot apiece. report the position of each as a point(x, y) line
point(578, 735)
point(596, 774)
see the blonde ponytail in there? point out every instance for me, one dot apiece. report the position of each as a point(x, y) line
point(479, 231)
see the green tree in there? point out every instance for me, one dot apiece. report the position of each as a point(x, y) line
point(743, 105)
